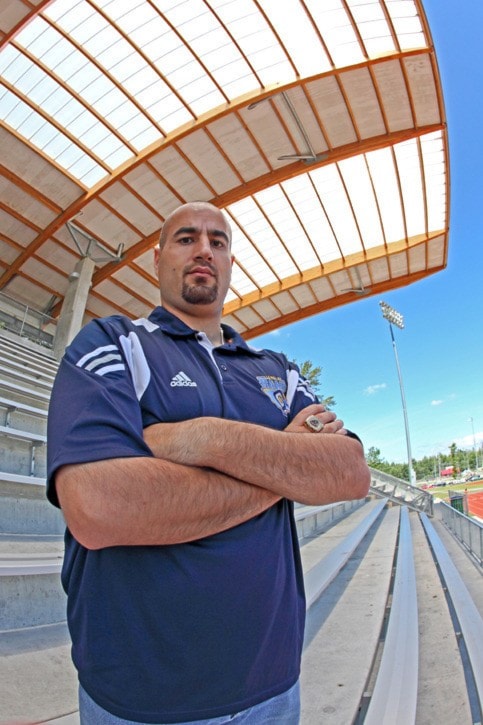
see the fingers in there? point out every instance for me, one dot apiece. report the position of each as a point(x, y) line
point(315, 419)
point(332, 424)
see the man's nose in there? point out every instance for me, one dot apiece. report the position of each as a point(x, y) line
point(204, 248)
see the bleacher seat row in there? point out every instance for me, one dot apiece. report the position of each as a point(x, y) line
point(394, 626)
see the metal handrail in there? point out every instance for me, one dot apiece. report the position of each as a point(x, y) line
point(401, 491)
point(466, 529)
point(29, 323)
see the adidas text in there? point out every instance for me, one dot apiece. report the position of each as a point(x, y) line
point(181, 380)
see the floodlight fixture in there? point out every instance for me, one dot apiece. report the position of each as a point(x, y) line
point(392, 315)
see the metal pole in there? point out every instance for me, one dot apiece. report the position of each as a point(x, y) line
point(474, 443)
point(403, 400)
point(395, 317)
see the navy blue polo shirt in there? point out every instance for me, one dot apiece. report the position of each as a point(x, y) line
point(186, 631)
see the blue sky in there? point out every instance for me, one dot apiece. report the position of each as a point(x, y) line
point(441, 347)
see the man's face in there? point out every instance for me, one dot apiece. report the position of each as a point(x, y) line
point(194, 262)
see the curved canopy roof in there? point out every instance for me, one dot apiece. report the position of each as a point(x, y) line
point(317, 126)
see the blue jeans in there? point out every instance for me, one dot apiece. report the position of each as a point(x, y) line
point(283, 709)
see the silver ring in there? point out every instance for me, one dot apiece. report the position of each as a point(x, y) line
point(313, 424)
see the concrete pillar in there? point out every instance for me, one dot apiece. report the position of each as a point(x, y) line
point(74, 305)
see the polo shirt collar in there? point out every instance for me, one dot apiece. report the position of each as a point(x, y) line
point(174, 327)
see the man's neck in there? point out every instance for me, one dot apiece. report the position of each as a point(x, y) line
point(209, 324)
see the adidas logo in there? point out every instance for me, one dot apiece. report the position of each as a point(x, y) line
point(181, 380)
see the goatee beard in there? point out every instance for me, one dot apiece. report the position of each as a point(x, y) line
point(199, 294)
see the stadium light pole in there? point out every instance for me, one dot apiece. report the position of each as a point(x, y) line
point(474, 442)
point(395, 318)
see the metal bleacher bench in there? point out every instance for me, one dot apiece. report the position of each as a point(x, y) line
point(35, 379)
point(34, 438)
point(14, 405)
point(25, 391)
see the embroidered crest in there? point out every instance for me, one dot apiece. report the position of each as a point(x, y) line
point(276, 389)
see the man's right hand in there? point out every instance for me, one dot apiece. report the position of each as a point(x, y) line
point(332, 424)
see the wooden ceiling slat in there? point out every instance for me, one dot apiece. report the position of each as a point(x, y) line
point(223, 200)
point(18, 216)
point(29, 189)
point(327, 305)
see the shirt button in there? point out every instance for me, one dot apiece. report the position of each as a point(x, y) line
point(223, 367)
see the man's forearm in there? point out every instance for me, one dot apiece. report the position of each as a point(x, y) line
point(312, 468)
point(146, 501)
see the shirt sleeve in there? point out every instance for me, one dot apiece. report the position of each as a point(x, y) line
point(94, 413)
point(299, 390)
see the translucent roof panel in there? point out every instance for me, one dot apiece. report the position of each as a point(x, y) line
point(320, 131)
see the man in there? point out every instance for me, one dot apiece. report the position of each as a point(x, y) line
point(175, 453)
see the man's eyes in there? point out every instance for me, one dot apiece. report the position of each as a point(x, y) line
point(215, 242)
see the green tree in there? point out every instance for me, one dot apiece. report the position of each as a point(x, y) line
point(373, 458)
point(313, 374)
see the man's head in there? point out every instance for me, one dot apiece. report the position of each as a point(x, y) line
point(194, 259)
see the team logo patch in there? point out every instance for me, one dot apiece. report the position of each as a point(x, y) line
point(276, 389)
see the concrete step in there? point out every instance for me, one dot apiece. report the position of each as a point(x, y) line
point(9, 342)
point(30, 380)
point(38, 682)
point(346, 638)
point(30, 568)
point(23, 393)
point(23, 452)
point(344, 624)
point(442, 691)
point(45, 649)
point(24, 508)
point(345, 634)
point(28, 360)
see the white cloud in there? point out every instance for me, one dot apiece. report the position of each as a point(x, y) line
point(436, 402)
point(373, 389)
point(468, 441)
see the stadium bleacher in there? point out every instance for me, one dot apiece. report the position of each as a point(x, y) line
point(394, 601)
